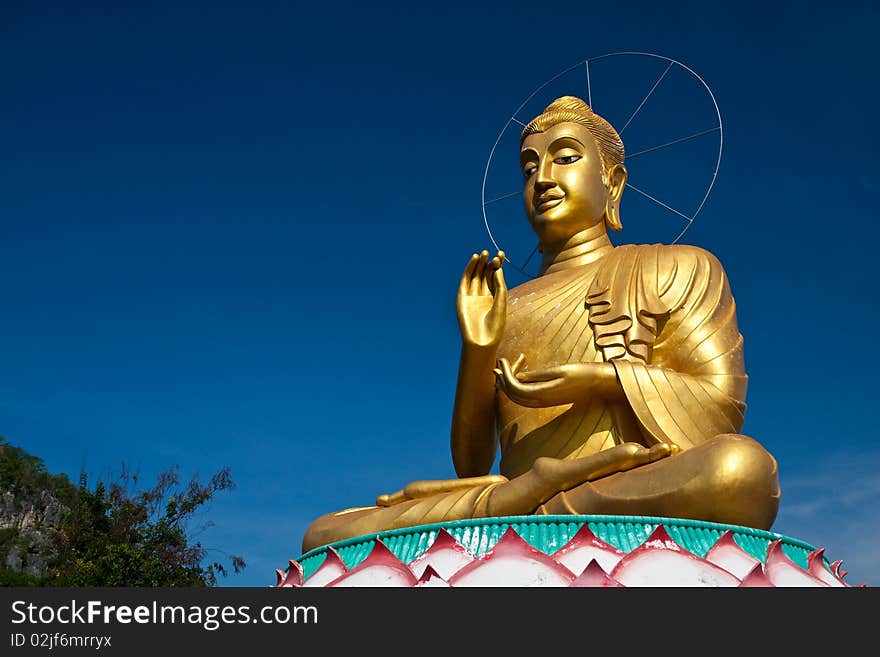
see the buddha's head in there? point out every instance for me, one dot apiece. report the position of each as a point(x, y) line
point(572, 164)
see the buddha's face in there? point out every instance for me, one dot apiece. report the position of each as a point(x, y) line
point(564, 192)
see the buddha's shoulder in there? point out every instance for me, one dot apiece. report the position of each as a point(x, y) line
point(679, 256)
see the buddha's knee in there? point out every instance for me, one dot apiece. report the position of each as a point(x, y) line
point(335, 526)
point(740, 479)
point(738, 463)
point(318, 533)
point(729, 479)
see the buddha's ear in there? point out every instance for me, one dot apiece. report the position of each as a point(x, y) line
point(616, 182)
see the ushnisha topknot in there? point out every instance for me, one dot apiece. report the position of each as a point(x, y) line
point(575, 110)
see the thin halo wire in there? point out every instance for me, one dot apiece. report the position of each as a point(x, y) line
point(656, 148)
point(586, 62)
point(644, 100)
point(589, 87)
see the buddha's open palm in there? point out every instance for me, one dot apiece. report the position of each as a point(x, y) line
point(482, 301)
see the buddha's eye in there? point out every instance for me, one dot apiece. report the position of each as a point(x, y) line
point(567, 159)
point(529, 170)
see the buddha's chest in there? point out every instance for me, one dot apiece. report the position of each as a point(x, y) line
point(584, 316)
point(550, 324)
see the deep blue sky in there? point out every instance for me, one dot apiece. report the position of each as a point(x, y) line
point(233, 236)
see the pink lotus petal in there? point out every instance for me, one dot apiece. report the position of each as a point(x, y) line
point(816, 566)
point(585, 547)
point(513, 562)
point(446, 556)
point(294, 576)
point(430, 579)
point(660, 561)
point(782, 571)
point(727, 554)
point(331, 569)
point(593, 576)
point(380, 568)
point(756, 578)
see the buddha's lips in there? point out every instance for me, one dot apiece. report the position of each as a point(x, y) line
point(547, 202)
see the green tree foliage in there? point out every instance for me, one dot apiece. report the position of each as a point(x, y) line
point(117, 534)
point(27, 474)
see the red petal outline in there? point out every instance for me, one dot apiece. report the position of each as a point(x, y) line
point(331, 568)
point(594, 577)
point(294, 576)
point(779, 569)
point(380, 557)
point(660, 545)
point(726, 553)
point(756, 578)
point(512, 546)
point(438, 556)
point(816, 566)
point(431, 578)
point(582, 548)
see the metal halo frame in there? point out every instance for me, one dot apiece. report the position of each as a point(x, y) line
point(586, 64)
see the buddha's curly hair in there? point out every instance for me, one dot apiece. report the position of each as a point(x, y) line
point(572, 108)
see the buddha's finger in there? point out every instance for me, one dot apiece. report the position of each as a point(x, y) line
point(518, 363)
point(509, 379)
point(489, 276)
point(471, 267)
point(518, 391)
point(499, 287)
point(391, 499)
point(533, 395)
point(499, 379)
point(499, 258)
point(656, 453)
point(486, 282)
point(479, 270)
point(464, 286)
point(662, 450)
point(536, 376)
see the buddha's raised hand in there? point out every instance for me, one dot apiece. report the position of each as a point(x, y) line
point(482, 301)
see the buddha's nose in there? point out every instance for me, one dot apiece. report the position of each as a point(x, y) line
point(543, 184)
point(543, 179)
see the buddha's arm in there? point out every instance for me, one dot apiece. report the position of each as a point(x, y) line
point(482, 311)
point(473, 415)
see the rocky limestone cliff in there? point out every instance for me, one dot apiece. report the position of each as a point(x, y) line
point(29, 524)
point(32, 505)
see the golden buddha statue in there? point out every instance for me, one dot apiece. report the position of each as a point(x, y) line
point(613, 382)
